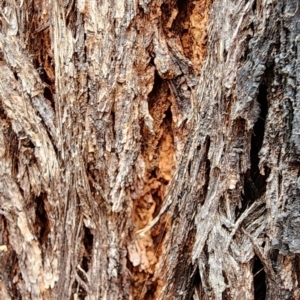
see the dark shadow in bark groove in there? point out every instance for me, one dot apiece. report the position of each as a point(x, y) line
point(168, 116)
point(259, 282)
point(185, 8)
point(48, 95)
point(257, 139)
point(42, 72)
point(153, 95)
point(207, 170)
point(297, 266)
point(151, 289)
point(13, 150)
point(16, 75)
point(42, 220)
point(88, 240)
point(196, 283)
point(255, 182)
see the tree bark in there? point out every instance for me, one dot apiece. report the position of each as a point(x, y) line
point(149, 149)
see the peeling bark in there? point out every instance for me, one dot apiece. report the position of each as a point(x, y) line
point(149, 149)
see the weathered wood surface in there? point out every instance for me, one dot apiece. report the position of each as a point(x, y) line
point(149, 149)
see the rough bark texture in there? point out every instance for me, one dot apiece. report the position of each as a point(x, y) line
point(149, 149)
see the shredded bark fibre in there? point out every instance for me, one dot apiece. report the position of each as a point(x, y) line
point(89, 125)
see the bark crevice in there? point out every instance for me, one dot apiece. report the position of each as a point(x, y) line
point(259, 279)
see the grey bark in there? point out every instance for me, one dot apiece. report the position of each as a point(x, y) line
point(149, 149)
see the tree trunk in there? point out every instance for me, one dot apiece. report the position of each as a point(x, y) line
point(150, 149)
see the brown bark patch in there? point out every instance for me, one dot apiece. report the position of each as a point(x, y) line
point(159, 163)
point(187, 21)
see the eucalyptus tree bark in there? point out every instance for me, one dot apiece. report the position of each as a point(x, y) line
point(149, 149)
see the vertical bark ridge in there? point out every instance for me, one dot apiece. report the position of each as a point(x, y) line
point(230, 112)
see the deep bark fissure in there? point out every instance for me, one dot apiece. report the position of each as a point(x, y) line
point(181, 25)
point(157, 150)
point(13, 151)
point(42, 220)
point(255, 182)
point(196, 284)
point(207, 173)
point(257, 140)
point(88, 240)
point(259, 279)
point(49, 95)
point(186, 21)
